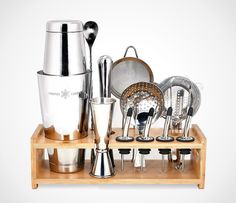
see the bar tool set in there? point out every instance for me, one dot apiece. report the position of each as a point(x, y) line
point(75, 123)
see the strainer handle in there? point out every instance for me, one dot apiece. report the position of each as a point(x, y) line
point(135, 51)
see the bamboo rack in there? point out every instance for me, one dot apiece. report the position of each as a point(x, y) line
point(195, 174)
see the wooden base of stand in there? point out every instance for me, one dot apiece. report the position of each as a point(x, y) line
point(152, 174)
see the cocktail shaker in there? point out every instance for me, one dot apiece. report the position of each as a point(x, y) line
point(64, 89)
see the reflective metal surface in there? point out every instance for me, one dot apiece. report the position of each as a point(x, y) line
point(64, 108)
point(148, 123)
point(105, 64)
point(188, 123)
point(165, 136)
point(90, 33)
point(139, 161)
point(64, 48)
point(185, 137)
point(184, 154)
point(66, 160)
point(165, 154)
point(125, 135)
point(64, 105)
point(104, 67)
point(102, 109)
point(127, 71)
point(102, 167)
point(64, 90)
point(180, 93)
point(64, 26)
point(141, 97)
point(145, 136)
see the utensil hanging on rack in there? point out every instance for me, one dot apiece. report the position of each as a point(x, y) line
point(127, 71)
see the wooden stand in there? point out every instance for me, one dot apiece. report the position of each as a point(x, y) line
point(152, 174)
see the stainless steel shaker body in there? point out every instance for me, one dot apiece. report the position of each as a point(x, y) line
point(64, 105)
point(66, 160)
point(64, 89)
point(64, 48)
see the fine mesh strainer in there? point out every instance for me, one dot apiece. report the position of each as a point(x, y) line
point(180, 93)
point(127, 71)
point(141, 97)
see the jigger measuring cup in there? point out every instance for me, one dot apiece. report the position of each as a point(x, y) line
point(102, 109)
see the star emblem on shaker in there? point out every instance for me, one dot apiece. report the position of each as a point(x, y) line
point(65, 94)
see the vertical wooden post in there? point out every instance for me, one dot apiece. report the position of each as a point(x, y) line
point(34, 157)
point(202, 166)
point(33, 166)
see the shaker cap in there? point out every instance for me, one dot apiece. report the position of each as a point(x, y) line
point(64, 26)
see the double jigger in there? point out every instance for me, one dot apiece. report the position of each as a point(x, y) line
point(102, 110)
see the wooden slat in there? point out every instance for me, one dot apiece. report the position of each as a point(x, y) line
point(151, 175)
point(88, 142)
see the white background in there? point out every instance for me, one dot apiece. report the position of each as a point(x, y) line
point(190, 38)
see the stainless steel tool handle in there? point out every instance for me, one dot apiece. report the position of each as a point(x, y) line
point(188, 122)
point(149, 122)
point(105, 64)
point(167, 123)
point(132, 47)
point(127, 122)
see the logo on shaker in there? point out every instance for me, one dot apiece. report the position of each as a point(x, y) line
point(65, 94)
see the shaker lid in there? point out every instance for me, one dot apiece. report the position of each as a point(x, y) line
point(64, 26)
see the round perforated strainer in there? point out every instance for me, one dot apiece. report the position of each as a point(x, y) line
point(180, 93)
point(141, 97)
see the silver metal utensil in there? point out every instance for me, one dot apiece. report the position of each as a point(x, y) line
point(127, 71)
point(165, 136)
point(145, 137)
point(181, 165)
point(165, 153)
point(105, 64)
point(125, 135)
point(104, 68)
point(90, 33)
point(143, 153)
point(184, 94)
point(141, 97)
point(102, 109)
point(186, 137)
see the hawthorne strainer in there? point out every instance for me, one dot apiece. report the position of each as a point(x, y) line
point(141, 97)
point(127, 71)
point(180, 93)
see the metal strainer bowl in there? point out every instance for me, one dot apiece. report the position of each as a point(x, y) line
point(127, 71)
point(141, 97)
point(180, 93)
